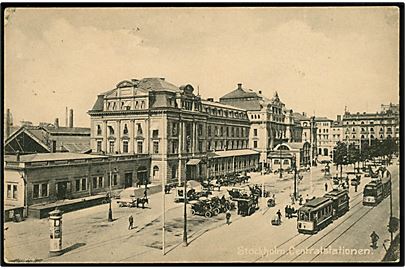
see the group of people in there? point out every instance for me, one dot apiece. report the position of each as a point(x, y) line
point(289, 211)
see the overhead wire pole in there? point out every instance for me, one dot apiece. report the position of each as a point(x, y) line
point(163, 189)
point(311, 152)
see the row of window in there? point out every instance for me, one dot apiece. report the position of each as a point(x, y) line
point(125, 147)
point(125, 105)
point(228, 131)
point(220, 166)
point(81, 184)
point(111, 131)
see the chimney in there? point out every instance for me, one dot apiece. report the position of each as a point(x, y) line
point(239, 86)
point(339, 118)
point(56, 122)
point(210, 99)
point(260, 92)
point(66, 117)
point(71, 118)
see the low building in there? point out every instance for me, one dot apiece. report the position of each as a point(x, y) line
point(44, 178)
point(283, 155)
point(48, 139)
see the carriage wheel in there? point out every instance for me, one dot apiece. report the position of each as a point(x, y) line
point(216, 211)
point(193, 212)
point(208, 214)
point(228, 206)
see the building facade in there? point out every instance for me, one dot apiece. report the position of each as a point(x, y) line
point(176, 127)
point(325, 143)
point(44, 178)
point(371, 126)
point(271, 123)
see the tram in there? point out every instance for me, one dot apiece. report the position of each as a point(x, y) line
point(315, 215)
point(376, 190)
point(340, 199)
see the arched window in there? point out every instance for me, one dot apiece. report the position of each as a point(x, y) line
point(125, 129)
point(155, 171)
point(362, 136)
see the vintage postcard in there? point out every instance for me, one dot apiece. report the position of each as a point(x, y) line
point(201, 134)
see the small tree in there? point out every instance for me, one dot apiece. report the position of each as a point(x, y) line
point(340, 157)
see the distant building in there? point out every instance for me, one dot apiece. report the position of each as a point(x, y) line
point(371, 126)
point(185, 135)
point(271, 123)
point(325, 143)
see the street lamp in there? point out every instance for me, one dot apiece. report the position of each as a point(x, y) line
point(110, 215)
point(185, 203)
point(294, 160)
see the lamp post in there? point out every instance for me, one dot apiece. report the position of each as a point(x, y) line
point(185, 203)
point(110, 215)
point(281, 160)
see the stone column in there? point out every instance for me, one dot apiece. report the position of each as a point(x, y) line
point(105, 136)
point(118, 136)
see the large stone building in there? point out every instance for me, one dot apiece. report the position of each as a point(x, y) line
point(271, 123)
point(186, 136)
point(371, 126)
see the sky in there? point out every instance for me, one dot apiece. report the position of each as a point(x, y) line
point(319, 60)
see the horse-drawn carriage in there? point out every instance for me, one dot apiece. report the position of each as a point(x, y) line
point(133, 202)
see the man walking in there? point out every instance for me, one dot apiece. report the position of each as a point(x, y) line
point(131, 222)
point(326, 187)
point(228, 217)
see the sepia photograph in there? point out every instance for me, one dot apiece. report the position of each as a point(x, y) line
point(185, 134)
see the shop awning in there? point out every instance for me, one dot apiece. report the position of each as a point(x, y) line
point(193, 161)
point(233, 153)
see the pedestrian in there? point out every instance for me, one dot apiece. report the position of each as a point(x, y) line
point(286, 210)
point(228, 217)
point(301, 199)
point(307, 198)
point(374, 238)
point(292, 211)
point(279, 215)
point(355, 188)
point(326, 187)
point(131, 222)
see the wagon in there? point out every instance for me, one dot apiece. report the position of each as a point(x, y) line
point(275, 221)
point(133, 202)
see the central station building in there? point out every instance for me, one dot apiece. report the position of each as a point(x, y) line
point(186, 136)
